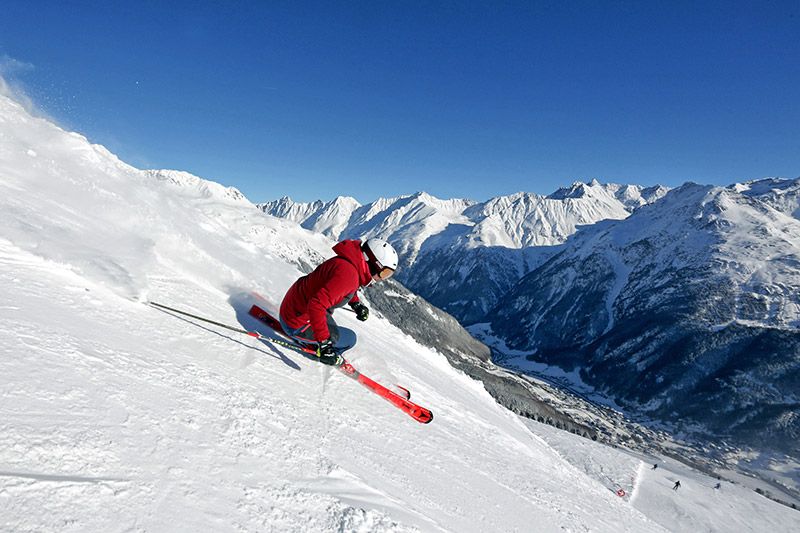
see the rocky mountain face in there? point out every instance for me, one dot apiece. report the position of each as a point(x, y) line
point(462, 255)
point(687, 311)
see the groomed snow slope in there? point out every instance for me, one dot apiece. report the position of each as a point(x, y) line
point(117, 417)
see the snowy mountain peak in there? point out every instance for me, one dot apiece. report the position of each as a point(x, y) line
point(424, 197)
point(454, 205)
point(781, 194)
point(631, 196)
point(346, 202)
point(328, 218)
point(578, 189)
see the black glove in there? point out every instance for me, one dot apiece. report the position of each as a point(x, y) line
point(362, 311)
point(327, 353)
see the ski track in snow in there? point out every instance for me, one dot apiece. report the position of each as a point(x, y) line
point(93, 432)
point(157, 412)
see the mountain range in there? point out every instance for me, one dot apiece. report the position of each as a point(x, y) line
point(680, 307)
point(688, 312)
point(481, 249)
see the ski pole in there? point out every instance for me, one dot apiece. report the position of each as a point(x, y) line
point(255, 334)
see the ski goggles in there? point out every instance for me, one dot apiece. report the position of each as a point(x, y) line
point(385, 273)
point(382, 271)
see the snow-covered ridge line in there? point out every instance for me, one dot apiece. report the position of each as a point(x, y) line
point(480, 248)
point(343, 213)
point(206, 188)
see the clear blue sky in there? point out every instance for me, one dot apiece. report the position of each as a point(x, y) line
point(460, 99)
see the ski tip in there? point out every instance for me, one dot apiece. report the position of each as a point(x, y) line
point(420, 414)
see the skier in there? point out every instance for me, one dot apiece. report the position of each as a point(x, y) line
point(307, 309)
point(654, 466)
point(718, 485)
point(676, 486)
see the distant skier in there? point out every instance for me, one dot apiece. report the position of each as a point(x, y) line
point(307, 309)
point(677, 485)
point(717, 486)
point(654, 466)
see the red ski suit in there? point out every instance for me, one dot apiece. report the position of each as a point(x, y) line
point(332, 284)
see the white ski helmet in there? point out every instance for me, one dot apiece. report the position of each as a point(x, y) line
point(381, 258)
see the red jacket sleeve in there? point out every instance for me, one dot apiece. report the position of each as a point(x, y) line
point(342, 280)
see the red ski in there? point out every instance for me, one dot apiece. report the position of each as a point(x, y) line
point(420, 414)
